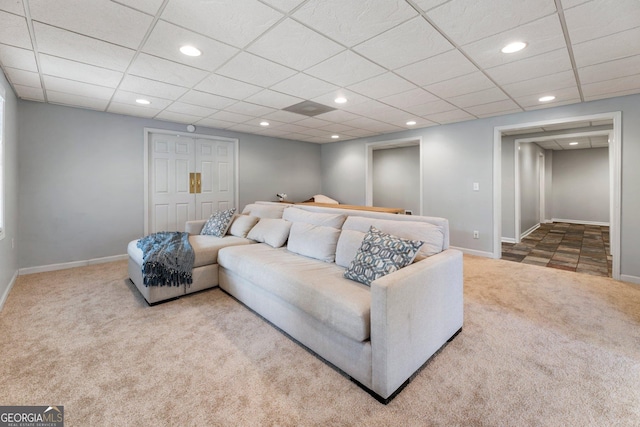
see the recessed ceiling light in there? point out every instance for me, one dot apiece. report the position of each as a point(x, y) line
point(514, 47)
point(190, 51)
point(573, 143)
point(335, 136)
point(411, 122)
point(143, 101)
point(340, 100)
point(264, 123)
point(547, 98)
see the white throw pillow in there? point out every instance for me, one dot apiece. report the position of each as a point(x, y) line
point(316, 218)
point(314, 241)
point(272, 231)
point(319, 198)
point(264, 211)
point(242, 224)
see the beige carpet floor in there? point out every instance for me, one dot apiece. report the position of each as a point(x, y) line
point(540, 347)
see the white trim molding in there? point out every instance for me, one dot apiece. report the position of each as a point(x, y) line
point(73, 264)
point(631, 279)
point(5, 295)
point(577, 221)
point(529, 231)
point(475, 252)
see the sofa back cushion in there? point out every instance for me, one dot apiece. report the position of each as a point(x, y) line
point(242, 224)
point(314, 235)
point(272, 231)
point(265, 210)
point(355, 228)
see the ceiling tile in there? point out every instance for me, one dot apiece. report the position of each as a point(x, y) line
point(22, 77)
point(151, 87)
point(294, 45)
point(541, 36)
point(428, 4)
point(405, 44)
point(531, 68)
point(351, 97)
point(215, 123)
point(16, 57)
point(452, 116)
point(284, 116)
point(14, 30)
point(345, 69)
point(59, 67)
point(336, 116)
point(284, 5)
point(615, 46)
point(561, 95)
point(438, 68)
point(432, 107)
point(359, 133)
point(468, 83)
point(366, 108)
point(231, 117)
point(357, 20)
point(76, 100)
point(166, 71)
point(336, 127)
point(610, 70)
point(255, 70)
point(273, 99)
point(235, 22)
point(600, 18)
point(620, 86)
point(492, 108)
point(171, 116)
point(104, 20)
point(77, 88)
point(66, 44)
point(466, 21)
point(13, 6)
point(166, 40)
point(132, 110)
point(147, 6)
point(249, 109)
point(314, 122)
point(224, 86)
point(541, 85)
point(477, 98)
point(290, 127)
point(205, 99)
point(566, 4)
point(304, 86)
point(383, 85)
point(410, 98)
point(190, 109)
point(124, 97)
point(29, 93)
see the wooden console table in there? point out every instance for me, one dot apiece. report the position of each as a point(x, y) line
point(353, 207)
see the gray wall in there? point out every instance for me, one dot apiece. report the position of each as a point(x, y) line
point(581, 185)
point(396, 178)
point(81, 179)
point(458, 154)
point(8, 254)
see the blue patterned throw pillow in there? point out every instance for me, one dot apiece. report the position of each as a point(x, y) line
point(380, 254)
point(218, 223)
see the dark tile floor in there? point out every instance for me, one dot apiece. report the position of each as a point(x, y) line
point(573, 247)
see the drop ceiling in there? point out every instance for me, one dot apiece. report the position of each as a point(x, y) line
point(428, 61)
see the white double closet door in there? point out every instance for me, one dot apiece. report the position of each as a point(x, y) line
point(190, 177)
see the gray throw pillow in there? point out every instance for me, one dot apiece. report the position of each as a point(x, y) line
point(218, 223)
point(380, 254)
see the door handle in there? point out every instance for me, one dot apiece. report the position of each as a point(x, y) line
point(198, 182)
point(192, 183)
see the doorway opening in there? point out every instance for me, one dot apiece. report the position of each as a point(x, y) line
point(394, 174)
point(603, 132)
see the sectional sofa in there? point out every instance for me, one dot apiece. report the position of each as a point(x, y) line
point(288, 263)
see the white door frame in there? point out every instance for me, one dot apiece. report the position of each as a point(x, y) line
point(370, 147)
point(615, 174)
point(147, 159)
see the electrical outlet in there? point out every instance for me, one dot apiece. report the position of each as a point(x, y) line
point(476, 234)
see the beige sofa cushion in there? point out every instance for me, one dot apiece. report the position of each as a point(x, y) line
point(355, 228)
point(313, 241)
point(242, 224)
point(274, 232)
point(274, 210)
point(294, 214)
point(314, 287)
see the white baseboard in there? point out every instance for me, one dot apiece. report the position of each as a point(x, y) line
point(577, 221)
point(65, 265)
point(473, 252)
point(529, 231)
point(508, 240)
point(631, 279)
point(5, 295)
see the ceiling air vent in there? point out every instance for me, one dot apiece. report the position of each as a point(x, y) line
point(309, 108)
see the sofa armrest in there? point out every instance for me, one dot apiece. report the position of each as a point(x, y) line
point(194, 227)
point(414, 311)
